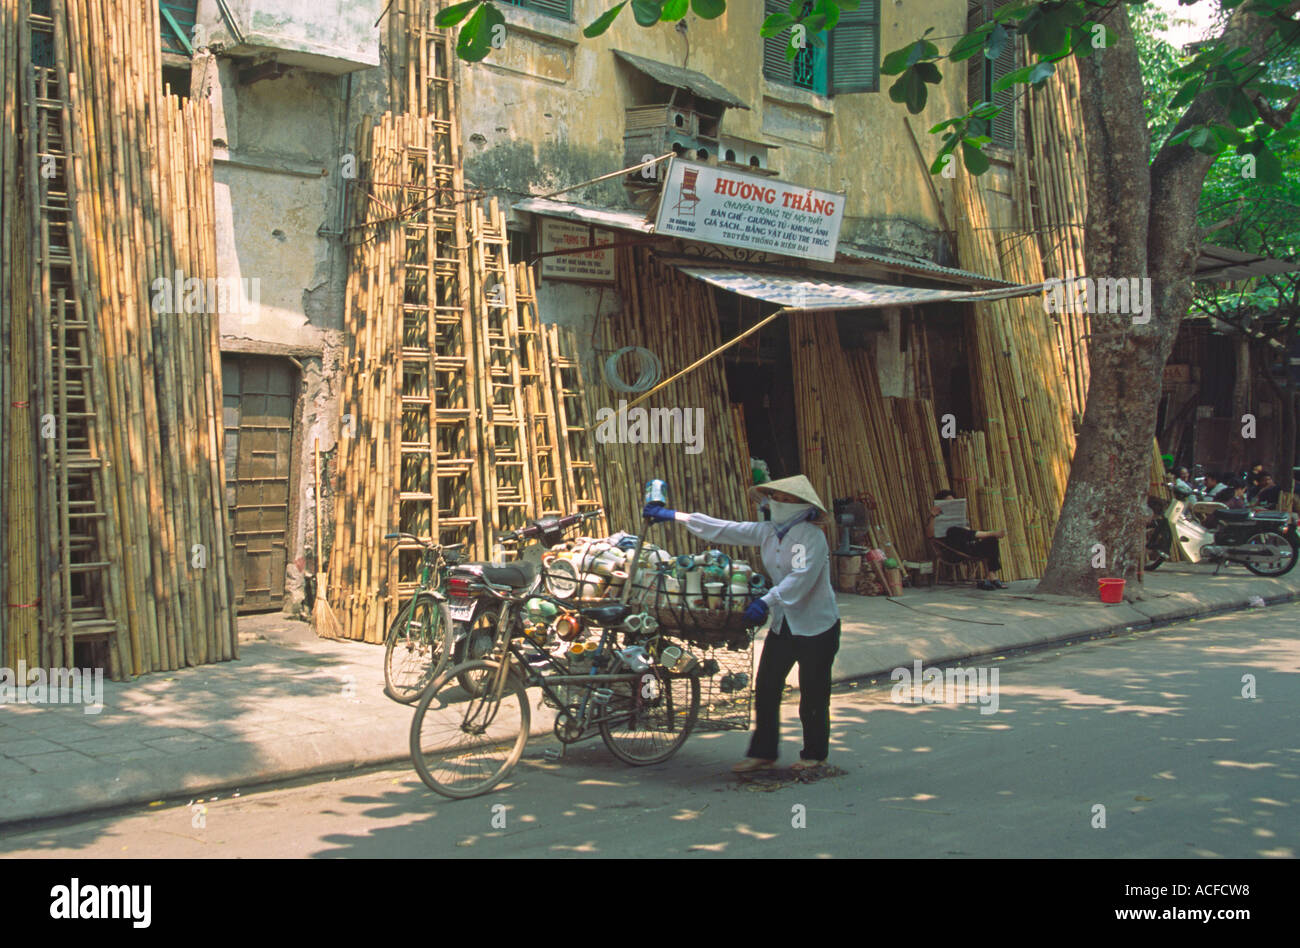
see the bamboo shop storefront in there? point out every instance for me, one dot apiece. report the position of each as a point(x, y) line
point(826, 370)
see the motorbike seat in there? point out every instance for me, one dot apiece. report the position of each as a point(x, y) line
point(519, 575)
point(1228, 514)
point(1273, 516)
point(607, 616)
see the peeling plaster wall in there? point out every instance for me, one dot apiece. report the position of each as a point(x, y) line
point(278, 148)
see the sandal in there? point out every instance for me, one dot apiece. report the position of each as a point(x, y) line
point(808, 764)
point(751, 764)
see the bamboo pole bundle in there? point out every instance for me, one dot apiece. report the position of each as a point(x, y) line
point(131, 512)
point(676, 318)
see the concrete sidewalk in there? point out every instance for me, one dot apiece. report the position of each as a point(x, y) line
point(295, 705)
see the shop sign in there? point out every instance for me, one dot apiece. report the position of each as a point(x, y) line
point(722, 206)
point(591, 266)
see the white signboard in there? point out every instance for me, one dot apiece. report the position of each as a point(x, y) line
point(722, 206)
point(591, 266)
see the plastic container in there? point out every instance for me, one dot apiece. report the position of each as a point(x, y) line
point(1111, 590)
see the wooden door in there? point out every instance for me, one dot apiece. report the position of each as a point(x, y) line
point(259, 410)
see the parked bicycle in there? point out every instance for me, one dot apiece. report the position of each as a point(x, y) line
point(420, 638)
point(642, 699)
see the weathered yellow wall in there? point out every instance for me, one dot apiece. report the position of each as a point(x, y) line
point(547, 110)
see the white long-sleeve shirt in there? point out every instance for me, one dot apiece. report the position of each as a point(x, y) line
point(801, 595)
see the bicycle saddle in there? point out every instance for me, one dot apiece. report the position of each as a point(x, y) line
point(519, 575)
point(607, 616)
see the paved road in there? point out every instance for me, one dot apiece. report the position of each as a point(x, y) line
point(1151, 726)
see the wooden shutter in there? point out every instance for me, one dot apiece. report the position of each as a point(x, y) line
point(557, 8)
point(775, 66)
point(855, 50)
point(182, 12)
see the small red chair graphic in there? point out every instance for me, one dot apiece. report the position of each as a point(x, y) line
point(687, 197)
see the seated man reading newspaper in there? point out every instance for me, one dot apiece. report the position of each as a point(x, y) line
point(948, 523)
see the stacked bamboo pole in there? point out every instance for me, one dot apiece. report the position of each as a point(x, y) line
point(1052, 197)
point(676, 318)
point(1020, 399)
point(129, 512)
point(854, 441)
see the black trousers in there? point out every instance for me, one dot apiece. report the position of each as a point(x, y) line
point(814, 654)
point(960, 538)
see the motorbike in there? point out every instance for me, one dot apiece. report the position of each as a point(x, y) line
point(475, 611)
point(1263, 541)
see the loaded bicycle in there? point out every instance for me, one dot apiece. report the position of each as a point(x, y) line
point(472, 723)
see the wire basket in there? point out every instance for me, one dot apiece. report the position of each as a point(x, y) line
point(726, 698)
point(723, 627)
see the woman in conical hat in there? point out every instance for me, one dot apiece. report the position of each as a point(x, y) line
point(805, 629)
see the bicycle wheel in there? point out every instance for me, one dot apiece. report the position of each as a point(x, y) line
point(1158, 543)
point(650, 716)
point(463, 746)
point(417, 648)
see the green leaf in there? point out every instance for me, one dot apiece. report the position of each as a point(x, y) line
point(921, 49)
point(475, 40)
point(974, 159)
point(1272, 90)
point(929, 72)
point(998, 39)
point(1187, 93)
point(1011, 78)
point(675, 10)
point(1241, 111)
point(602, 22)
point(1040, 72)
point(1050, 35)
point(647, 12)
point(971, 43)
point(454, 13)
point(896, 61)
point(776, 23)
point(849, 5)
point(910, 90)
point(985, 110)
point(1268, 170)
point(709, 9)
point(829, 13)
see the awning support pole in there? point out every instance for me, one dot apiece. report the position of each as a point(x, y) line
point(722, 348)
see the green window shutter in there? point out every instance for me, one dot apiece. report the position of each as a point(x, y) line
point(981, 76)
point(775, 66)
point(182, 13)
point(855, 50)
point(563, 9)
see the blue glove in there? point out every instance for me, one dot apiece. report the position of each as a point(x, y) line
point(756, 612)
point(657, 511)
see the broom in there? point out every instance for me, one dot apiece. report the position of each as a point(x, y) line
point(322, 615)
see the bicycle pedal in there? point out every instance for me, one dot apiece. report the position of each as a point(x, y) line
point(602, 695)
point(553, 754)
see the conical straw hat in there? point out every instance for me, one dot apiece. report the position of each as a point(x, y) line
point(797, 486)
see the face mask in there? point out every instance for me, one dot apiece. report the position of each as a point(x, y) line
point(783, 512)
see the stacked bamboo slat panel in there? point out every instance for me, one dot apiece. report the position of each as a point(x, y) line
point(853, 441)
point(122, 326)
point(1019, 395)
point(676, 318)
point(1051, 194)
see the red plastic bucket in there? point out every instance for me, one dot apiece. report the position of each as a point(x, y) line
point(1111, 590)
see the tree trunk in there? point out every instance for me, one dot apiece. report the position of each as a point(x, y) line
point(1141, 223)
point(1241, 403)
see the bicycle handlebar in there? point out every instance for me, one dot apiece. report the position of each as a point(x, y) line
point(534, 529)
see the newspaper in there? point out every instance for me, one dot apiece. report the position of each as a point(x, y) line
point(952, 513)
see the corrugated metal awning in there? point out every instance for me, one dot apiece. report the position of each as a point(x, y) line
point(812, 291)
point(587, 214)
point(688, 79)
point(923, 268)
